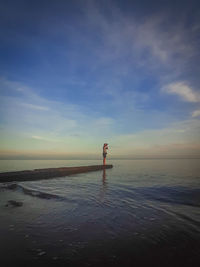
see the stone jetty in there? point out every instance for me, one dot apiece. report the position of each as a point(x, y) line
point(40, 174)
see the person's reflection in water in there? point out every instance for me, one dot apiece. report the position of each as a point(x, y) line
point(104, 177)
point(104, 186)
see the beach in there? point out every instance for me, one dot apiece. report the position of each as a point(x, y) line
point(140, 213)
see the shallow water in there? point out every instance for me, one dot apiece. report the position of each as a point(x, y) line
point(140, 212)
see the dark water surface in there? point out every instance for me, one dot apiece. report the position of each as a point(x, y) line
point(140, 213)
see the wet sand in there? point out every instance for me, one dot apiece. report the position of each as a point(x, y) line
point(140, 213)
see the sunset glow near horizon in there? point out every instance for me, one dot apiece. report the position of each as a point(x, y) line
point(77, 74)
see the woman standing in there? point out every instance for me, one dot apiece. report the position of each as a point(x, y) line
point(105, 148)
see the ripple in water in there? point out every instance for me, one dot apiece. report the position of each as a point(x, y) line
point(112, 218)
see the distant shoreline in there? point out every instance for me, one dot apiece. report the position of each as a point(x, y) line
point(136, 158)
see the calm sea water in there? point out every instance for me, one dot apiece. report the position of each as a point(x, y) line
point(141, 212)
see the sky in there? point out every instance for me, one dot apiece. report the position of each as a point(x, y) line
point(76, 74)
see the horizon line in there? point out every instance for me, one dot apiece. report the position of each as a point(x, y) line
point(99, 158)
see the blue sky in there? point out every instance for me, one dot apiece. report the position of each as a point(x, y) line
point(76, 74)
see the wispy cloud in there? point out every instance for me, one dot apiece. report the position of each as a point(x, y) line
point(38, 118)
point(110, 88)
point(151, 42)
point(31, 106)
point(67, 128)
point(181, 89)
point(42, 138)
point(176, 139)
point(196, 113)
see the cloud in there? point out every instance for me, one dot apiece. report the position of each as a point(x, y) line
point(68, 128)
point(181, 89)
point(134, 56)
point(26, 114)
point(113, 79)
point(151, 42)
point(180, 137)
point(37, 137)
point(196, 113)
point(42, 138)
point(103, 122)
point(31, 106)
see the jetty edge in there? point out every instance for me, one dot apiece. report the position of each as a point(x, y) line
point(40, 174)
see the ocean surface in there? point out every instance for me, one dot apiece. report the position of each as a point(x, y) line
point(140, 213)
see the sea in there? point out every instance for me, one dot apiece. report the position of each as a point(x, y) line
point(142, 212)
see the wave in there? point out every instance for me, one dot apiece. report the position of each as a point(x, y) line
point(174, 195)
point(31, 192)
point(179, 195)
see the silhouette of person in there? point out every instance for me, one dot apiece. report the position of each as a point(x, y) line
point(105, 148)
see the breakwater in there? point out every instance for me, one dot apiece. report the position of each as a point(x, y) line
point(40, 174)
